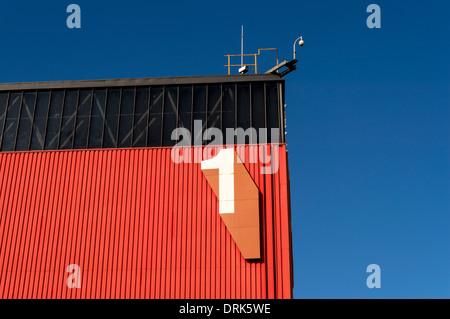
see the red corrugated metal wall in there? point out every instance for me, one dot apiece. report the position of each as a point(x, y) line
point(137, 224)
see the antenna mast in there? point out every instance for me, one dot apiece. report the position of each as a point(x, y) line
point(242, 46)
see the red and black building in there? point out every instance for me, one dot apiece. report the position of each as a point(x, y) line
point(87, 178)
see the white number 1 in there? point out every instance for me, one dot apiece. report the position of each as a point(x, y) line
point(224, 162)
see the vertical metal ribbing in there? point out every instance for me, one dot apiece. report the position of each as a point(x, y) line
point(165, 226)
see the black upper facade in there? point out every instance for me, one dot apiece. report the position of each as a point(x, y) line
point(129, 113)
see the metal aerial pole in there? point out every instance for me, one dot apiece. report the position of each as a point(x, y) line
point(242, 46)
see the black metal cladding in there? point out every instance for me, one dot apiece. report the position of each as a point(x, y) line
point(140, 116)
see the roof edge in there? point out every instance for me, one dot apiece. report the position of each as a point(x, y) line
point(181, 80)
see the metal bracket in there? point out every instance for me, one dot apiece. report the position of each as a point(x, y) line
point(290, 65)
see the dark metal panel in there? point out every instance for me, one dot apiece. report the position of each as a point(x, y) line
point(199, 112)
point(192, 114)
point(83, 119)
point(48, 116)
point(33, 119)
point(214, 106)
point(185, 107)
point(69, 119)
point(235, 107)
point(115, 117)
point(90, 118)
point(104, 116)
point(26, 121)
point(170, 114)
point(258, 108)
point(273, 110)
point(11, 123)
point(228, 109)
point(112, 116)
point(155, 118)
point(141, 117)
point(61, 121)
point(97, 119)
point(178, 106)
point(18, 121)
point(54, 120)
point(126, 118)
point(243, 107)
point(265, 108)
point(221, 109)
point(118, 117)
point(75, 122)
point(282, 114)
point(4, 102)
point(162, 114)
point(37, 141)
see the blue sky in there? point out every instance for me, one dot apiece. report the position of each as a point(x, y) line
point(367, 113)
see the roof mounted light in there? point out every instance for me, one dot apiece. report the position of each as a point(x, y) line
point(300, 43)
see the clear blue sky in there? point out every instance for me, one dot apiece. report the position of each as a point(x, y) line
point(368, 115)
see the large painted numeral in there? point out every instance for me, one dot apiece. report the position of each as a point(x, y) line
point(224, 162)
point(238, 198)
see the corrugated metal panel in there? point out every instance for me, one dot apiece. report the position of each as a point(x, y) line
point(138, 225)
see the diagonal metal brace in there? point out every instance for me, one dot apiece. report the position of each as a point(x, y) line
point(290, 65)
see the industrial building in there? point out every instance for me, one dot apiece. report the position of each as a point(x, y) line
point(93, 204)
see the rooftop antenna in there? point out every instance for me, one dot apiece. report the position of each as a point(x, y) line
point(244, 68)
point(242, 46)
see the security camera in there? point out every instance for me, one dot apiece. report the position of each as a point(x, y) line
point(243, 69)
point(300, 43)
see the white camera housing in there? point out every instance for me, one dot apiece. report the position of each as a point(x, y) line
point(243, 70)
